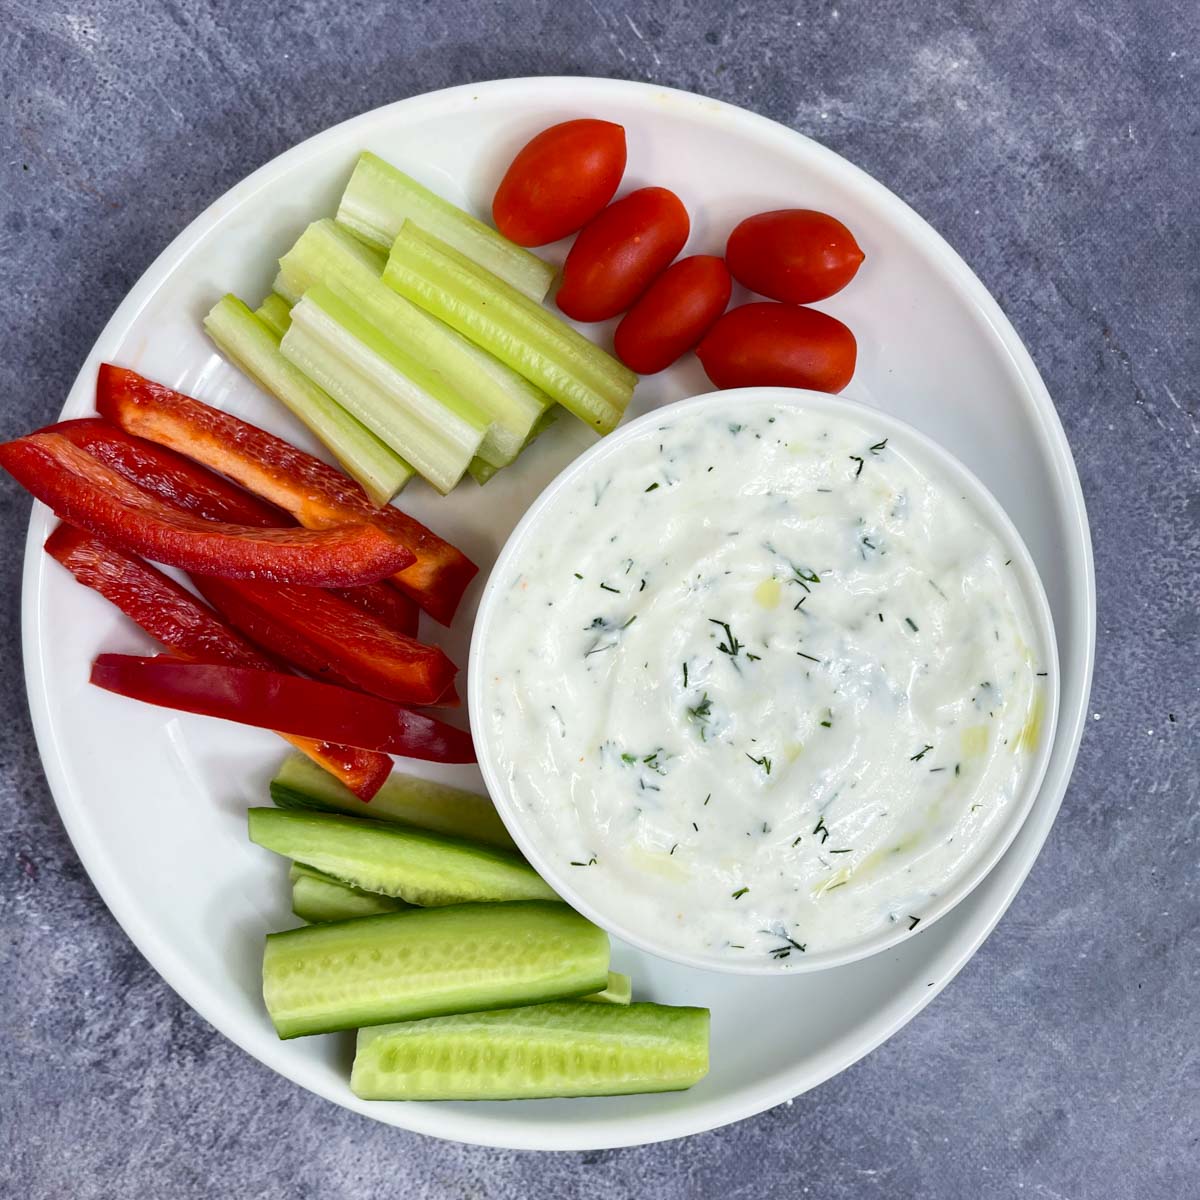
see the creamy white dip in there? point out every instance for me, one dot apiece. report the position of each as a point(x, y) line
point(761, 684)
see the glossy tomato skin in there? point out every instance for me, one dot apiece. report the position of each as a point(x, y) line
point(560, 181)
point(778, 345)
point(796, 255)
point(618, 254)
point(673, 314)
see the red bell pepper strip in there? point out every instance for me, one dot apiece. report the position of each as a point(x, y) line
point(275, 701)
point(191, 630)
point(172, 478)
point(316, 494)
point(85, 493)
point(384, 603)
point(188, 486)
point(329, 639)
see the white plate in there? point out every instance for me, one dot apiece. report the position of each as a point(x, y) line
point(154, 802)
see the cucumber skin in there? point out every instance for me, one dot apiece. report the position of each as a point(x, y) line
point(421, 963)
point(405, 799)
point(570, 1049)
point(429, 869)
point(317, 898)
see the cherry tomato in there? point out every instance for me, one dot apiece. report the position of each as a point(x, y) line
point(560, 181)
point(674, 314)
point(793, 254)
point(617, 254)
point(778, 345)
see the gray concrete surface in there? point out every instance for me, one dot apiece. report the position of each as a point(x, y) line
point(1057, 146)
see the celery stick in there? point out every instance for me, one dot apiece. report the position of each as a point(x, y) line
point(276, 313)
point(480, 471)
point(408, 799)
point(531, 340)
point(399, 399)
point(379, 199)
point(326, 253)
point(541, 1050)
point(254, 347)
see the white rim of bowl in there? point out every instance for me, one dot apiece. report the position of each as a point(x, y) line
point(949, 470)
point(492, 1129)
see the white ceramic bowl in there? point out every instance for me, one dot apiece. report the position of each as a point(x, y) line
point(537, 843)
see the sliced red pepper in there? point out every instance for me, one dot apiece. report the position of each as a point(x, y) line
point(84, 492)
point(326, 637)
point(271, 700)
point(386, 604)
point(174, 617)
point(316, 494)
point(177, 480)
point(192, 488)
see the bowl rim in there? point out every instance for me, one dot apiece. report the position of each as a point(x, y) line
point(952, 470)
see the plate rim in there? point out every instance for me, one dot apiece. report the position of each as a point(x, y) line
point(601, 1133)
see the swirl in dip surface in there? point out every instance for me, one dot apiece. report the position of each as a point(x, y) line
point(767, 683)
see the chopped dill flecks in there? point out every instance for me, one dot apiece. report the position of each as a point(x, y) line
point(920, 754)
point(911, 624)
point(731, 645)
point(739, 893)
point(858, 459)
point(652, 487)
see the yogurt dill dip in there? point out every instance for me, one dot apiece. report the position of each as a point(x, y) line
point(762, 684)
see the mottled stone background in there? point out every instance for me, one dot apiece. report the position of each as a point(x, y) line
point(1057, 146)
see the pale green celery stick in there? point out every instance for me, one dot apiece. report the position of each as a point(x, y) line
point(379, 198)
point(300, 783)
point(543, 1050)
point(398, 398)
point(481, 471)
point(254, 347)
point(548, 352)
point(276, 313)
point(326, 253)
